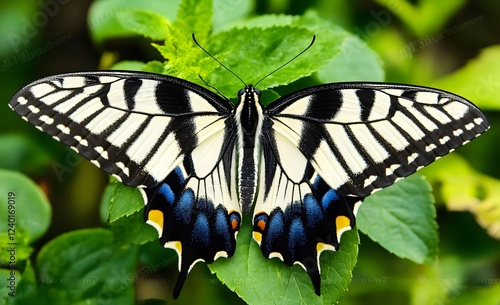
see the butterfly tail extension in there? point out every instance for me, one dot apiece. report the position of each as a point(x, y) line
point(192, 219)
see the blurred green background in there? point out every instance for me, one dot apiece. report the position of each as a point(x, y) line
point(452, 45)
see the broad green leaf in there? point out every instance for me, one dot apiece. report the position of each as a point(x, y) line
point(256, 279)
point(252, 53)
point(125, 201)
point(28, 209)
point(464, 189)
point(84, 267)
point(351, 59)
point(401, 218)
point(103, 16)
point(478, 80)
point(146, 23)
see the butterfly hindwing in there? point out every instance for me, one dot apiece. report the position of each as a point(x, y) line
point(298, 217)
point(135, 126)
point(195, 209)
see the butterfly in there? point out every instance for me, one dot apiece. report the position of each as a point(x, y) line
point(304, 163)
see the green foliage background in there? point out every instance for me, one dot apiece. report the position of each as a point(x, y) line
point(81, 240)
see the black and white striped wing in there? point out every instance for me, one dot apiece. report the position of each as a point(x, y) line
point(327, 147)
point(171, 138)
point(361, 137)
point(135, 126)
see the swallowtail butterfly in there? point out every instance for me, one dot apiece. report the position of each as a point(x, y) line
point(305, 162)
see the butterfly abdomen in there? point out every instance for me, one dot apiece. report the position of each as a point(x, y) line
point(249, 116)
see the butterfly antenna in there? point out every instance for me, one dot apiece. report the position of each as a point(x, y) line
point(213, 57)
point(280, 67)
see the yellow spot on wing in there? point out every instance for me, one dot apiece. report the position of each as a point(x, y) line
point(342, 223)
point(257, 236)
point(156, 216)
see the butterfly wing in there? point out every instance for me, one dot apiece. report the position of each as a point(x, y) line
point(327, 147)
point(171, 138)
point(361, 137)
point(135, 126)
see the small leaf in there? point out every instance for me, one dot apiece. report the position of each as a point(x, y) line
point(145, 23)
point(401, 218)
point(84, 267)
point(103, 16)
point(125, 201)
point(256, 278)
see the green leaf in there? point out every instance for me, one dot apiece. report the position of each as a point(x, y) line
point(247, 50)
point(478, 80)
point(401, 218)
point(195, 16)
point(103, 16)
point(256, 278)
point(28, 209)
point(84, 267)
point(145, 23)
point(125, 201)
point(132, 230)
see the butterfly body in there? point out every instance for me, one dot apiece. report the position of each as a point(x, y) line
point(304, 163)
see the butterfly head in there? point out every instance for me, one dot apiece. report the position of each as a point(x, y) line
point(249, 90)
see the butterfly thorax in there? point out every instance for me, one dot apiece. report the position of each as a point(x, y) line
point(249, 118)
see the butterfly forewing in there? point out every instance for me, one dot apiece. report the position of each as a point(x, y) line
point(361, 137)
point(136, 126)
